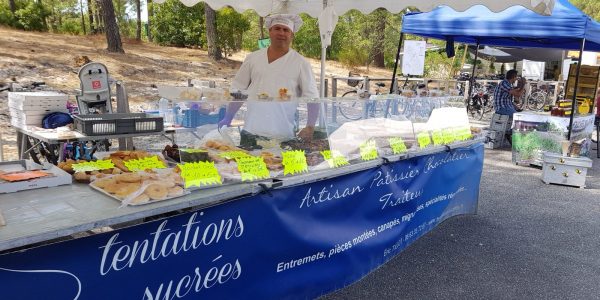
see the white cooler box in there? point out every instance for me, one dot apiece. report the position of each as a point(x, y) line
point(565, 170)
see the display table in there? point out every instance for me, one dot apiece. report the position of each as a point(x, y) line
point(302, 236)
point(536, 132)
point(52, 138)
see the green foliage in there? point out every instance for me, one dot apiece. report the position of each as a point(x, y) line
point(175, 24)
point(71, 26)
point(251, 36)
point(354, 56)
point(33, 17)
point(230, 27)
point(307, 40)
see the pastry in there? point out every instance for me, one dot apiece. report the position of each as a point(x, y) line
point(156, 191)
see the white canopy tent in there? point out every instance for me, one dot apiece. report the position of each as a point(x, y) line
point(327, 10)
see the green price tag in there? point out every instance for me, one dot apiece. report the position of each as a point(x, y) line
point(151, 162)
point(465, 134)
point(423, 139)
point(397, 145)
point(334, 159)
point(252, 168)
point(233, 154)
point(448, 136)
point(199, 173)
point(93, 165)
point(294, 162)
point(193, 150)
point(437, 137)
point(368, 150)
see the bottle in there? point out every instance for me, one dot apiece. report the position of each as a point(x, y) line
point(163, 106)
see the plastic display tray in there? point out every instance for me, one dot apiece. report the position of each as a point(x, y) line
point(121, 123)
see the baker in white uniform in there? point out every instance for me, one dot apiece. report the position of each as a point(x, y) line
point(266, 72)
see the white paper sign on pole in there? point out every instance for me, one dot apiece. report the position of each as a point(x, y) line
point(533, 70)
point(566, 65)
point(413, 60)
point(589, 58)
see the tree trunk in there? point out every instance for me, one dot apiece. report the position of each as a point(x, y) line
point(261, 24)
point(138, 31)
point(13, 6)
point(113, 37)
point(82, 16)
point(150, 7)
point(91, 16)
point(379, 35)
point(211, 33)
point(99, 14)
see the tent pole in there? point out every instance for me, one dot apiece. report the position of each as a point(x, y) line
point(574, 100)
point(472, 81)
point(322, 79)
point(393, 84)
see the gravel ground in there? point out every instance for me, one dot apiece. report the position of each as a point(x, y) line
point(528, 240)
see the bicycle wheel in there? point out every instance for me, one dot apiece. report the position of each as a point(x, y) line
point(475, 109)
point(351, 110)
point(536, 101)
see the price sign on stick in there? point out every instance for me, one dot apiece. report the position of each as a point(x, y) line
point(437, 137)
point(448, 136)
point(423, 139)
point(93, 165)
point(233, 154)
point(397, 144)
point(252, 168)
point(151, 162)
point(294, 162)
point(334, 158)
point(368, 150)
point(199, 173)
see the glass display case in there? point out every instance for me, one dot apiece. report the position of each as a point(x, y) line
point(264, 137)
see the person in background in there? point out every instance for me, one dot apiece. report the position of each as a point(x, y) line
point(269, 71)
point(556, 73)
point(505, 93)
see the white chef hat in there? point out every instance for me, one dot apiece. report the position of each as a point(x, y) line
point(293, 22)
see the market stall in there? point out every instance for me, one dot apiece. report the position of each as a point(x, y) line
point(566, 28)
point(328, 211)
point(260, 219)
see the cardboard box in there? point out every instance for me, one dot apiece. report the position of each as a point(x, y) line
point(60, 177)
point(37, 100)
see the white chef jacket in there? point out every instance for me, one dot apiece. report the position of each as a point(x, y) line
point(274, 119)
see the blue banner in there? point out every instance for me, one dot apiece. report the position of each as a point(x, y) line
point(296, 242)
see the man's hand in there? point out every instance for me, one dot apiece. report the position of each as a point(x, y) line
point(306, 134)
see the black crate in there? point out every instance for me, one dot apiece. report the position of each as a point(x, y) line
point(107, 124)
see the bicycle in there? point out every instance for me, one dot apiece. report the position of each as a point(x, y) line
point(538, 97)
point(355, 110)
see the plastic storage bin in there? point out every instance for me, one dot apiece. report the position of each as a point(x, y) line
point(121, 123)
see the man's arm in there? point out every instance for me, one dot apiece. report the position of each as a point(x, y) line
point(308, 87)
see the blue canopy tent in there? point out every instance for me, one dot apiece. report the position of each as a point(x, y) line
point(566, 28)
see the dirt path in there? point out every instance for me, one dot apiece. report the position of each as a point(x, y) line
point(26, 57)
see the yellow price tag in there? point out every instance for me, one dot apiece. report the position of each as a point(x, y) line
point(252, 168)
point(199, 173)
point(151, 162)
point(368, 150)
point(93, 165)
point(334, 158)
point(448, 136)
point(437, 137)
point(233, 154)
point(397, 145)
point(423, 139)
point(294, 162)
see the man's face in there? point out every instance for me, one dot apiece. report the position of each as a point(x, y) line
point(281, 35)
